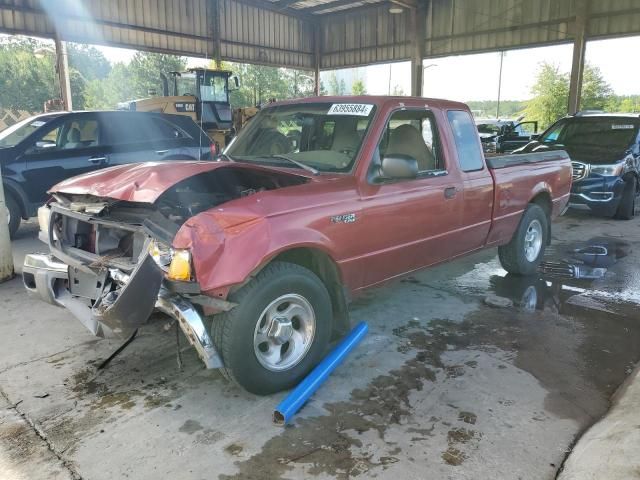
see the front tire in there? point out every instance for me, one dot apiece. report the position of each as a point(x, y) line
point(627, 206)
point(278, 332)
point(523, 254)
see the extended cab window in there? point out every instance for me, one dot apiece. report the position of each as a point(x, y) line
point(465, 135)
point(413, 133)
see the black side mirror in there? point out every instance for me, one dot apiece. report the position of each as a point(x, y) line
point(535, 136)
point(397, 166)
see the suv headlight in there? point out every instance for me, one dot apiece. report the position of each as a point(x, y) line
point(613, 170)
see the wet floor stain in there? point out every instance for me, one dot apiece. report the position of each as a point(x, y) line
point(552, 347)
point(190, 427)
point(234, 449)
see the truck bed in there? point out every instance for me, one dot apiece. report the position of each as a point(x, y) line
point(502, 161)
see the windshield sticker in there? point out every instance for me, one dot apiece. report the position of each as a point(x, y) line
point(360, 109)
point(622, 127)
point(37, 123)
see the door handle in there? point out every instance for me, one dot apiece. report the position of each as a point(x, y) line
point(97, 160)
point(161, 152)
point(450, 192)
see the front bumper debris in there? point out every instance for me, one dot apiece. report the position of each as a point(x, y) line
point(104, 315)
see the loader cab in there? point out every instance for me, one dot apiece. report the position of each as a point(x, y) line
point(211, 91)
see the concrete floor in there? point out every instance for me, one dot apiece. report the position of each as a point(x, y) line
point(444, 386)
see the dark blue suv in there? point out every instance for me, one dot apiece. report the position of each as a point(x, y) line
point(605, 154)
point(41, 151)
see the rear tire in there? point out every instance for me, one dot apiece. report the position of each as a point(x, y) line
point(264, 347)
point(626, 209)
point(14, 213)
point(523, 254)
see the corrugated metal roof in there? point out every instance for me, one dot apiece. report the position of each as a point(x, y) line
point(282, 32)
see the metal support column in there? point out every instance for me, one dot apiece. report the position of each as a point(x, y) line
point(579, 48)
point(62, 66)
point(418, 21)
point(215, 32)
point(317, 55)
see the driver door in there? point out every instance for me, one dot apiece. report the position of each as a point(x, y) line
point(410, 224)
point(68, 148)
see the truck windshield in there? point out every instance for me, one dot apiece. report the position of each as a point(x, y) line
point(11, 136)
point(325, 136)
point(613, 132)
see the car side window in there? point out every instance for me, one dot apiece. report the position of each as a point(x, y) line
point(413, 133)
point(166, 130)
point(73, 134)
point(465, 135)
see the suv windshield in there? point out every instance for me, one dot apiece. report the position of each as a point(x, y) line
point(604, 132)
point(325, 136)
point(13, 135)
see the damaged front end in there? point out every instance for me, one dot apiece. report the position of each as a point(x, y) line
point(111, 236)
point(109, 268)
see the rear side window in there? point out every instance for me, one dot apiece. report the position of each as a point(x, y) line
point(134, 128)
point(465, 135)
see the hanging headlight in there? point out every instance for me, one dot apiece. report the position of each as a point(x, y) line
point(162, 254)
point(180, 267)
point(176, 263)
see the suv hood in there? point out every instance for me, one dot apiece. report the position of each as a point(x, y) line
point(586, 154)
point(145, 182)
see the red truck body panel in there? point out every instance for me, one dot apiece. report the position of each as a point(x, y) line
point(393, 229)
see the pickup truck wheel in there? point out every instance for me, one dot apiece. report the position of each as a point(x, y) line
point(13, 214)
point(627, 206)
point(279, 330)
point(522, 255)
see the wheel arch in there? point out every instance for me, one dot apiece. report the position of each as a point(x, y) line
point(326, 268)
point(18, 195)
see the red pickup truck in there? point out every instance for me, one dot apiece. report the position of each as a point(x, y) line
point(315, 201)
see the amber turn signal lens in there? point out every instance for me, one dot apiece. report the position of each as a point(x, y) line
point(180, 268)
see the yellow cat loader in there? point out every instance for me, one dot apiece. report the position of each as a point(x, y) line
point(203, 95)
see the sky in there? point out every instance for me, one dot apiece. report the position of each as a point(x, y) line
point(475, 77)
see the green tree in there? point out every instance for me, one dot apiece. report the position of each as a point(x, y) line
point(145, 68)
point(596, 92)
point(550, 95)
point(27, 80)
point(336, 87)
point(358, 88)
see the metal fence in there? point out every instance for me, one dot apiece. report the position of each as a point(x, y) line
point(9, 116)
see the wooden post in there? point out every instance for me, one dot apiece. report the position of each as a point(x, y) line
point(62, 66)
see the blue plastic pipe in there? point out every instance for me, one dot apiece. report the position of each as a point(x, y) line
point(294, 401)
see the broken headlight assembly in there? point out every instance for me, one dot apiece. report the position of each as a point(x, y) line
point(175, 263)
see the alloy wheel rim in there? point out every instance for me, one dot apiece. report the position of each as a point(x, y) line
point(284, 332)
point(533, 241)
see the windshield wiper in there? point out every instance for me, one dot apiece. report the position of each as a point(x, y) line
point(296, 162)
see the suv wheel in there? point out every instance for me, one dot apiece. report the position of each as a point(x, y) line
point(626, 209)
